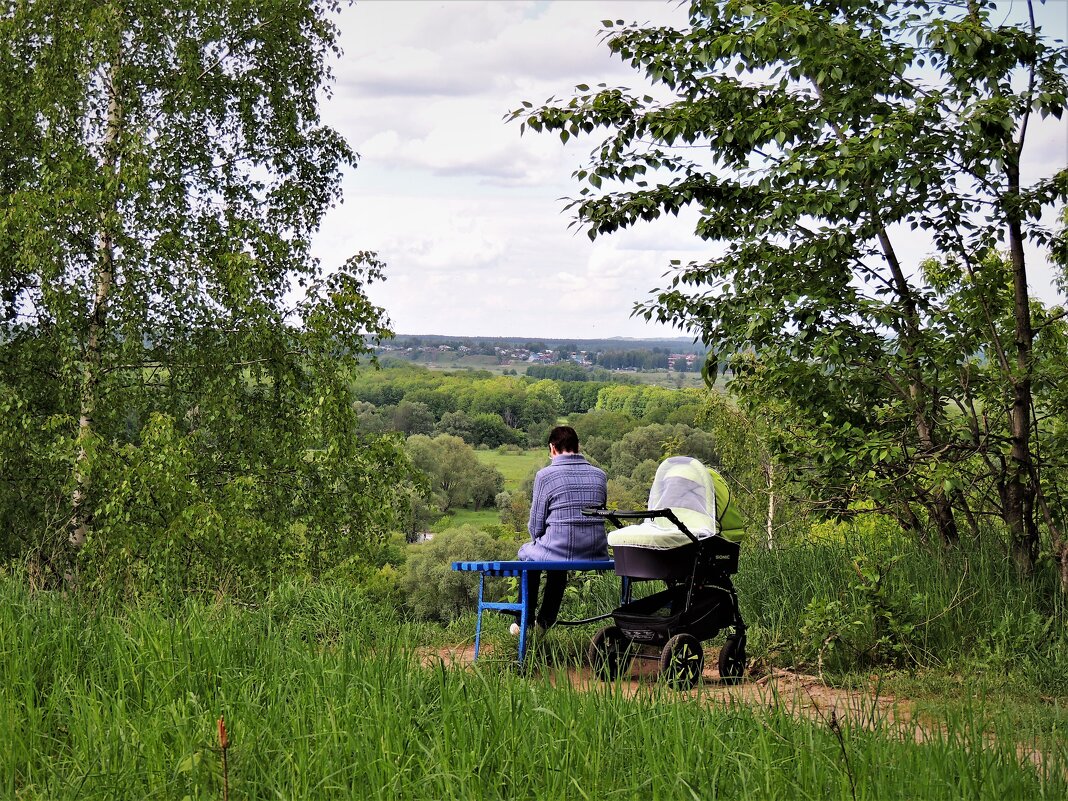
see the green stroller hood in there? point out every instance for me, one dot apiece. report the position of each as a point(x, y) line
point(698, 496)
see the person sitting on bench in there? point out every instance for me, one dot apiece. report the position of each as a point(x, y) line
point(558, 529)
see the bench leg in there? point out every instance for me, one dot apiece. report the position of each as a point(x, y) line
point(478, 624)
point(524, 611)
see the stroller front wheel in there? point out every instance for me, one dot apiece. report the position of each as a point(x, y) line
point(732, 659)
point(682, 661)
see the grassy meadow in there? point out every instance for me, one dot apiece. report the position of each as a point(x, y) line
point(327, 691)
point(326, 696)
point(469, 517)
point(459, 361)
point(515, 466)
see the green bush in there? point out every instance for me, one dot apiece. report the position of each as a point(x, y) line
point(172, 517)
point(868, 624)
point(433, 590)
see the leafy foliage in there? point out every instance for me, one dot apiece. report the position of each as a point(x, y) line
point(455, 475)
point(811, 138)
point(432, 589)
point(172, 358)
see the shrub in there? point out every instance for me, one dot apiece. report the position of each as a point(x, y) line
point(432, 589)
point(868, 624)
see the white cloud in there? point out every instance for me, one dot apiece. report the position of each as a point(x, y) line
point(466, 212)
point(498, 265)
point(427, 85)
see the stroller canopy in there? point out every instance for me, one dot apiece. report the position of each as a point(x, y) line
point(698, 496)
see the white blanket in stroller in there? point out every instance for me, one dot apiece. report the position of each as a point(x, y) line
point(684, 485)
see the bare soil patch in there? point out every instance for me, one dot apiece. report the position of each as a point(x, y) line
point(799, 694)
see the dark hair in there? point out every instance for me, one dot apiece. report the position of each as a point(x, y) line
point(565, 439)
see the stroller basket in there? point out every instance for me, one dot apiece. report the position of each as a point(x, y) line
point(712, 555)
point(658, 617)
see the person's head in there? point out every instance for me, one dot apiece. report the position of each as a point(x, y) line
point(563, 439)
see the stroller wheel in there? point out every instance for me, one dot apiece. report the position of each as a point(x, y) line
point(682, 661)
point(732, 659)
point(610, 652)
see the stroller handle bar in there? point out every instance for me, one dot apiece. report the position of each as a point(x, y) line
point(616, 516)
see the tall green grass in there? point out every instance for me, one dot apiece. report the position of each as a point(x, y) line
point(987, 647)
point(325, 697)
point(483, 518)
point(972, 610)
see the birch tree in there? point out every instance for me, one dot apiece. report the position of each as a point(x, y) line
point(171, 355)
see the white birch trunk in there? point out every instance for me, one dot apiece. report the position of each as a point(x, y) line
point(770, 523)
point(103, 281)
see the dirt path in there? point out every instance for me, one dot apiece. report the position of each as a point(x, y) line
point(799, 694)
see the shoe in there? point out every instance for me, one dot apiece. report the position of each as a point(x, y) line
point(514, 629)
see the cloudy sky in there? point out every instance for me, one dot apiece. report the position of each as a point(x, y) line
point(466, 212)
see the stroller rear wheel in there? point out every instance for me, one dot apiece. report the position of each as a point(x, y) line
point(732, 658)
point(682, 661)
point(610, 652)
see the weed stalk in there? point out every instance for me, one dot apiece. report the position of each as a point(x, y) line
point(836, 729)
point(224, 744)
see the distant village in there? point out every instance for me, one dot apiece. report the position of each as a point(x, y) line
point(627, 355)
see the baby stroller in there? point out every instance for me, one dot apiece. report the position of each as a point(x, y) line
point(688, 538)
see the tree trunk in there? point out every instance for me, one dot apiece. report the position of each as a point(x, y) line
point(1023, 535)
point(962, 501)
point(1062, 559)
point(939, 507)
point(80, 520)
point(942, 513)
point(770, 524)
point(1019, 505)
point(910, 332)
point(906, 517)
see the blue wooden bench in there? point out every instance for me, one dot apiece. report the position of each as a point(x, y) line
point(518, 569)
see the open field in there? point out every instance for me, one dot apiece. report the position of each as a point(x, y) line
point(469, 517)
point(515, 467)
point(324, 697)
point(454, 361)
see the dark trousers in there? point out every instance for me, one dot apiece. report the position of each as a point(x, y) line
point(555, 582)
